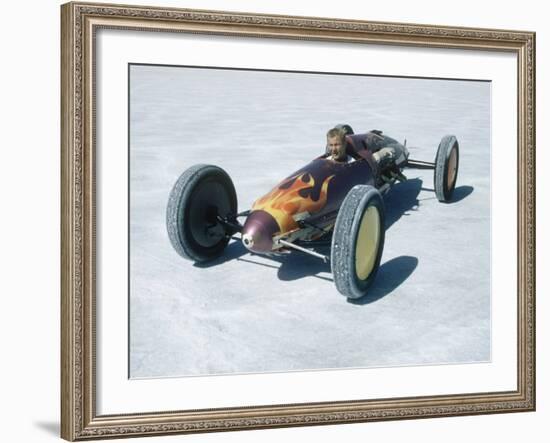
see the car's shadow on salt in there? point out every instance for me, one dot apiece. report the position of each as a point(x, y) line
point(402, 200)
point(298, 265)
point(391, 275)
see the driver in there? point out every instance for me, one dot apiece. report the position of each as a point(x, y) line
point(336, 146)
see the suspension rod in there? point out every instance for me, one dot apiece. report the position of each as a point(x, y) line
point(307, 251)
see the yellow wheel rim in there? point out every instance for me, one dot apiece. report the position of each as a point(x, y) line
point(451, 168)
point(368, 239)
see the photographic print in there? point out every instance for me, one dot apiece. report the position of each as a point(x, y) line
point(272, 221)
point(295, 221)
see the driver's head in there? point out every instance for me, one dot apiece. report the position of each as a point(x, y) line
point(336, 144)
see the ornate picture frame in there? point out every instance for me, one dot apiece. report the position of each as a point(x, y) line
point(79, 388)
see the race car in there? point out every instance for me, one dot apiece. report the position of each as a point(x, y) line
point(326, 201)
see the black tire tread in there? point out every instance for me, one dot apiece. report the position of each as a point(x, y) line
point(344, 238)
point(440, 174)
point(179, 196)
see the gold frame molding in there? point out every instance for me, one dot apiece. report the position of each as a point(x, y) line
point(79, 22)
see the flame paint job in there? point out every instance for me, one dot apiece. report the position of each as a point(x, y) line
point(318, 189)
point(292, 196)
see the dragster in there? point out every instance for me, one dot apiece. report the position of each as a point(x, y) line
point(325, 201)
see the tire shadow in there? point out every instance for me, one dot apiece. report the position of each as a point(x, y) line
point(461, 193)
point(390, 276)
point(234, 250)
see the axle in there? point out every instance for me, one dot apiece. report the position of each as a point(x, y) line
point(419, 164)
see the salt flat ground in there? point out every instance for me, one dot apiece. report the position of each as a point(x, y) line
point(431, 302)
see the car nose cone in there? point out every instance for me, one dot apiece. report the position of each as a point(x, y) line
point(258, 231)
point(248, 240)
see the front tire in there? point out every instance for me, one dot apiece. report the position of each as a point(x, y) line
point(446, 168)
point(358, 241)
point(199, 196)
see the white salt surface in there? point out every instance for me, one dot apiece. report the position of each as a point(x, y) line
point(244, 313)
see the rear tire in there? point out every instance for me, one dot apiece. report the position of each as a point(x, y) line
point(446, 168)
point(358, 241)
point(199, 195)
